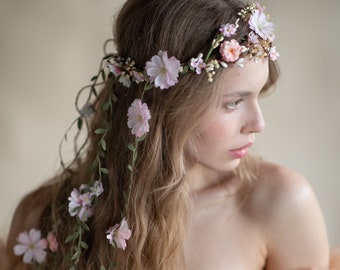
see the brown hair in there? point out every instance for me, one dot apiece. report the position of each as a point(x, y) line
point(160, 204)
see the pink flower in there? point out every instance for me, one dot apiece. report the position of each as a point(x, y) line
point(115, 68)
point(259, 23)
point(229, 29)
point(32, 246)
point(138, 76)
point(231, 50)
point(138, 117)
point(118, 234)
point(52, 242)
point(273, 54)
point(123, 78)
point(197, 63)
point(80, 205)
point(163, 71)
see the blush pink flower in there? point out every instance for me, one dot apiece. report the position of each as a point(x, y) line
point(115, 69)
point(229, 29)
point(259, 23)
point(273, 54)
point(80, 205)
point(52, 242)
point(198, 63)
point(32, 246)
point(231, 50)
point(138, 76)
point(118, 234)
point(138, 118)
point(162, 70)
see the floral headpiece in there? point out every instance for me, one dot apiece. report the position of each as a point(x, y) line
point(163, 72)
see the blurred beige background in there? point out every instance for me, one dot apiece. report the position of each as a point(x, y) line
point(50, 49)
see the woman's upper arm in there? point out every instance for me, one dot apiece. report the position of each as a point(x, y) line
point(296, 236)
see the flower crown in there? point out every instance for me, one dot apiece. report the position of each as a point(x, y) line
point(159, 72)
point(163, 72)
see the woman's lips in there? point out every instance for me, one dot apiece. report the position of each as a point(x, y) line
point(241, 152)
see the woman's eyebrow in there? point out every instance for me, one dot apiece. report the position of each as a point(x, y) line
point(240, 93)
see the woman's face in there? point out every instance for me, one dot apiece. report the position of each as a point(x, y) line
point(231, 131)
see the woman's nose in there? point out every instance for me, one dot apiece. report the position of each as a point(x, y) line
point(254, 122)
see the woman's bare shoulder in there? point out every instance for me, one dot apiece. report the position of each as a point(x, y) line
point(277, 182)
point(27, 216)
point(293, 224)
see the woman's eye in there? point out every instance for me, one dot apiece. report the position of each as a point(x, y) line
point(233, 104)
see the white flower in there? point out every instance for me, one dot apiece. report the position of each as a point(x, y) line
point(124, 80)
point(259, 23)
point(138, 118)
point(96, 189)
point(162, 70)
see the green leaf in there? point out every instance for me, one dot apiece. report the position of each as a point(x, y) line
point(94, 91)
point(185, 69)
point(110, 55)
point(104, 170)
point(69, 238)
point(94, 78)
point(100, 131)
point(84, 245)
point(103, 145)
point(106, 106)
point(130, 167)
point(103, 75)
point(79, 123)
point(148, 86)
point(113, 97)
point(85, 227)
point(101, 153)
point(102, 268)
point(76, 255)
point(72, 237)
point(131, 147)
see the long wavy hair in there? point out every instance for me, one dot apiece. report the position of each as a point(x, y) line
point(160, 203)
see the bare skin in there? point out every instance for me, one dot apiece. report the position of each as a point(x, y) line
point(274, 223)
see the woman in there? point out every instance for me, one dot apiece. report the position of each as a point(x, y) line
point(166, 182)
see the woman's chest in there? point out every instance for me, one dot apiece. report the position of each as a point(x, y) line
point(223, 237)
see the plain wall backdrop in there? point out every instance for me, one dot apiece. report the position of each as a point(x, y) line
point(50, 49)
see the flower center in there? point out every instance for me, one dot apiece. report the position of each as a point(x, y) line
point(163, 70)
